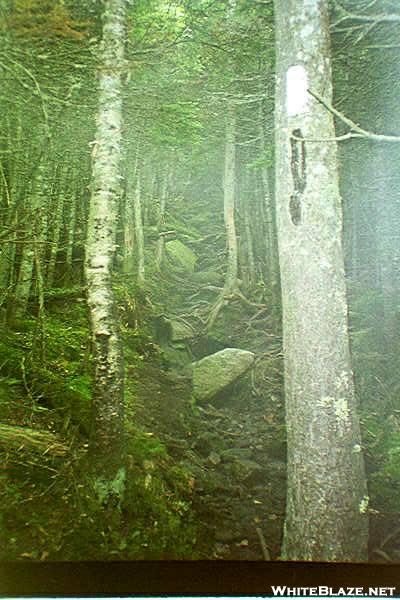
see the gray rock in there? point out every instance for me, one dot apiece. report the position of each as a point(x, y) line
point(181, 256)
point(172, 330)
point(180, 331)
point(215, 372)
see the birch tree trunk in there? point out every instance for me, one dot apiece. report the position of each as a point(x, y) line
point(326, 513)
point(106, 190)
point(231, 276)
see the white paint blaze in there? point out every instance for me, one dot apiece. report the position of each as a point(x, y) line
point(296, 90)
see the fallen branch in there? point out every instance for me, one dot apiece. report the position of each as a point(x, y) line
point(263, 545)
point(31, 440)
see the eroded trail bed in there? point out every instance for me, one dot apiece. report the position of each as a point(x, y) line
point(235, 455)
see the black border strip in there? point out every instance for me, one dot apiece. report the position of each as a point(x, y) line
point(184, 578)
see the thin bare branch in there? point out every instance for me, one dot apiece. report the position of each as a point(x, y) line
point(354, 128)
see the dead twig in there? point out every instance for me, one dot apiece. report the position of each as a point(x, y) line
point(264, 547)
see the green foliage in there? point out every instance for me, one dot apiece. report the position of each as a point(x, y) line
point(54, 374)
point(145, 513)
point(44, 19)
point(114, 488)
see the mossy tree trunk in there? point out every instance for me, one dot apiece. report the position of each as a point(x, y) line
point(108, 391)
point(326, 514)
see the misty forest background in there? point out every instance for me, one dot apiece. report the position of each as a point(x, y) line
point(111, 454)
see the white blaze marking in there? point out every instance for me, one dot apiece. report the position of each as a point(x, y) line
point(296, 90)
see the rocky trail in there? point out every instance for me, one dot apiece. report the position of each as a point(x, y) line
point(235, 454)
point(239, 467)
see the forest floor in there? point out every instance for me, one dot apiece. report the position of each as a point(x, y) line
point(203, 481)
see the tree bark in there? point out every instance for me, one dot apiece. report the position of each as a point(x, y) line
point(139, 233)
point(36, 234)
point(129, 215)
point(108, 390)
point(56, 225)
point(161, 220)
point(231, 276)
point(246, 211)
point(326, 514)
point(269, 217)
point(70, 211)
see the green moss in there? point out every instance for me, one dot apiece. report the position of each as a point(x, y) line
point(50, 367)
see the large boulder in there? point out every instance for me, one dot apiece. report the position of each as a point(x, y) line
point(181, 256)
point(214, 373)
point(172, 330)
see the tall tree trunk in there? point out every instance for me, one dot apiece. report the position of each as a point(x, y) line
point(388, 243)
point(35, 234)
point(269, 216)
point(231, 276)
point(326, 513)
point(108, 391)
point(129, 214)
point(56, 224)
point(161, 220)
point(70, 212)
point(245, 208)
point(139, 233)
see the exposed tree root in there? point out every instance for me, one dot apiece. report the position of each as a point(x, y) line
point(229, 295)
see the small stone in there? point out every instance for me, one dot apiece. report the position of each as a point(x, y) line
point(214, 458)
